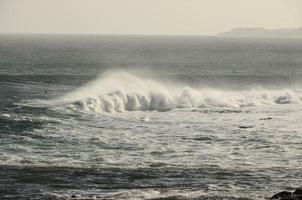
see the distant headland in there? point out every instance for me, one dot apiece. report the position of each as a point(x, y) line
point(263, 32)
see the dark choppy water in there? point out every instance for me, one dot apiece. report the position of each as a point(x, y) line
point(114, 117)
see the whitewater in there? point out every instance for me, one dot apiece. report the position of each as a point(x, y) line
point(119, 91)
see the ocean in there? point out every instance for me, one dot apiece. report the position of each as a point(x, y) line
point(149, 117)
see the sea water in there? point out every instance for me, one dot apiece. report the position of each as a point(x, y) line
point(149, 117)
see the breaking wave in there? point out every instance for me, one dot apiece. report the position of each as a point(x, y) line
point(122, 91)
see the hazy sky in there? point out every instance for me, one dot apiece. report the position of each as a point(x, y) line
point(197, 17)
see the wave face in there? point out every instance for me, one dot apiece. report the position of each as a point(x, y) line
point(121, 91)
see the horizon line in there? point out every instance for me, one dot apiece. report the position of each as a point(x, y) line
point(104, 34)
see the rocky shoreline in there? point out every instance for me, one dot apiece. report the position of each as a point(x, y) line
point(285, 195)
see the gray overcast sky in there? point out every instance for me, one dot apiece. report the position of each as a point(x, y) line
point(197, 17)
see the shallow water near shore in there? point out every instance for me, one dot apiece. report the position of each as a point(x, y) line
point(124, 117)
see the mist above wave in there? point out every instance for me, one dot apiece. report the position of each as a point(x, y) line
point(118, 91)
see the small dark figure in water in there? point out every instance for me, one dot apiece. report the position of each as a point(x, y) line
point(45, 91)
point(297, 195)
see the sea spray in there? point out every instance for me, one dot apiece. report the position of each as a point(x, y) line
point(120, 91)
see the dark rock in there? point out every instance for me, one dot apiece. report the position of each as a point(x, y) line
point(245, 127)
point(266, 118)
point(298, 194)
point(75, 196)
point(283, 196)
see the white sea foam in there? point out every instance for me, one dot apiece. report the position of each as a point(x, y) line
point(122, 91)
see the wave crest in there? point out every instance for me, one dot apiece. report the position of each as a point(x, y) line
point(121, 91)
